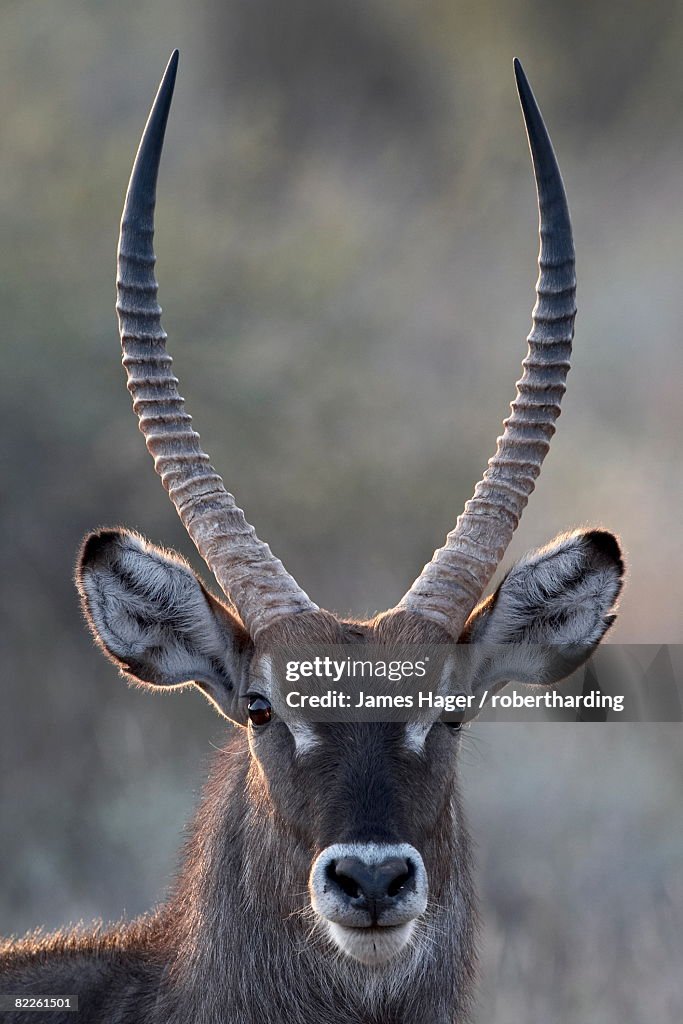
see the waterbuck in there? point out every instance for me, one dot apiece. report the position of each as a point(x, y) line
point(328, 872)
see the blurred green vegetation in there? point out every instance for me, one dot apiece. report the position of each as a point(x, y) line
point(347, 243)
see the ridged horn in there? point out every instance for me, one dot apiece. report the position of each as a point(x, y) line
point(255, 581)
point(452, 583)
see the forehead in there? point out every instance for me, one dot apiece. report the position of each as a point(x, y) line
point(399, 627)
point(306, 630)
point(364, 737)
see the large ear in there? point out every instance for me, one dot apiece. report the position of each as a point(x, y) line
point(549, 613)
point(155, 620)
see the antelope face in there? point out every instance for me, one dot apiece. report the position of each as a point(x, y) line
point(364, 810)
point(368, 810)
point(372, 809)
point(371, 813)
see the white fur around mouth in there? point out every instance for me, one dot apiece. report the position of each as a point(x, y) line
point(371, 946)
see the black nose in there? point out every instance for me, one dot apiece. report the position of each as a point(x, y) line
point(373, 887)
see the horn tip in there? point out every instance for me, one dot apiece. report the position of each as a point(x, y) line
point(523, 87)
point(171, 70)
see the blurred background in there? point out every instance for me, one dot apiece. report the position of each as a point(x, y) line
point(346, 240)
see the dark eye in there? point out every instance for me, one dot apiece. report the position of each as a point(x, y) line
point(260, 711)
point(454, 725)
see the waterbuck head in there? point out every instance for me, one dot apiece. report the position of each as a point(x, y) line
point(370, 810)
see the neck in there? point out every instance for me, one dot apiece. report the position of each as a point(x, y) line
point(245, 944)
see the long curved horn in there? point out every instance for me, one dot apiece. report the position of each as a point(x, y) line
point(255, 581)
point(452, 583)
